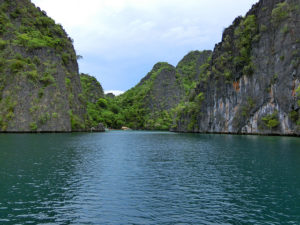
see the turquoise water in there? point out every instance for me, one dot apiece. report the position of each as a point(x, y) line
point(148, 178)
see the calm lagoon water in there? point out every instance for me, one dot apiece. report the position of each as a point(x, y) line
point(148, 178)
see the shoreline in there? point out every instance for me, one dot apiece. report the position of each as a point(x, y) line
point(179, 132)
point(241, 134)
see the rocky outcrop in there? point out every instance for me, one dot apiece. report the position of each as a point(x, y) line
point(251, 84)
point(165, 91)
point(146, 105)
point(92, 89)
point(99, 128)
point(192, 66)
point(40, 89)
point(110, 95)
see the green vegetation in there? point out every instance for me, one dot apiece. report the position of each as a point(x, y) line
point(102, 103)
point(16, 65)
point(138, 108)
point(33, 75)
point(246, 33)
point(3, 44)
point(280, 12)
point(47, 79)
point(39, 31)
point(92, 90)
point(7, 106)
point(298, 94)
point(76, 122)
point(246, 109)
point(189, 71)
point(130, 109)
point(99, 109)
point(34, 52)
point(271, 121)
point(244, 113)
point(283, 11)
point(263, 28)
point(41, 92)
point(274, 78)
point(285, 30)
point(134, 104)
point(105, 111)
point(54, 115)
point(33, 126)
point(158, 121)
point(189, 110)
point(44, 118)
point(66, 58)
point(230, 63)
point(294, 116)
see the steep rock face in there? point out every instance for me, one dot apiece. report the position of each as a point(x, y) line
point(146, 105)
point(150, 104)
point(40, 88)
point(93, 96)
point(92, 89)
point(252, 82)
point(165, 92)
point(191, 67)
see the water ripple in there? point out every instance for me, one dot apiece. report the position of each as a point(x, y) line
point(149, 178)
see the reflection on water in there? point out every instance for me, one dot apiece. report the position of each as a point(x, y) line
point(148, 178)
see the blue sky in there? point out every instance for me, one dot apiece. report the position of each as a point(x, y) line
point(121, 40)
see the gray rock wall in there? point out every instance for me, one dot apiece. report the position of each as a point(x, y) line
point(263, 101)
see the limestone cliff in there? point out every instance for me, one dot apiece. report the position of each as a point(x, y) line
point(145, 105)
point(91, 88)
point(190, 68)
point(40, 88)
point(93, 96)
point(150, 104)
point(251, 84)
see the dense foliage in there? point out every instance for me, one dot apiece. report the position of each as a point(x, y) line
point(34, 50)
point(99, 108)
point(134, 105)
point(193, 68)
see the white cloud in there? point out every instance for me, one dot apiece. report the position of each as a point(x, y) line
point(115, 92)
point(119, 33)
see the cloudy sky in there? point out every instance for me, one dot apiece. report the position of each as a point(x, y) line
point(121, 40)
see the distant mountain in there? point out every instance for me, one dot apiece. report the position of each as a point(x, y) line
point(149, 104)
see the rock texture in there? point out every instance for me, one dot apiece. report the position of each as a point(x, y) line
point(99, 128)
point(145, 106)
point(251, 85)
point(110, 95)
point(190, 68)
point(165, 92)
point(40, 89)
point(92, 89)
point(149, 104)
